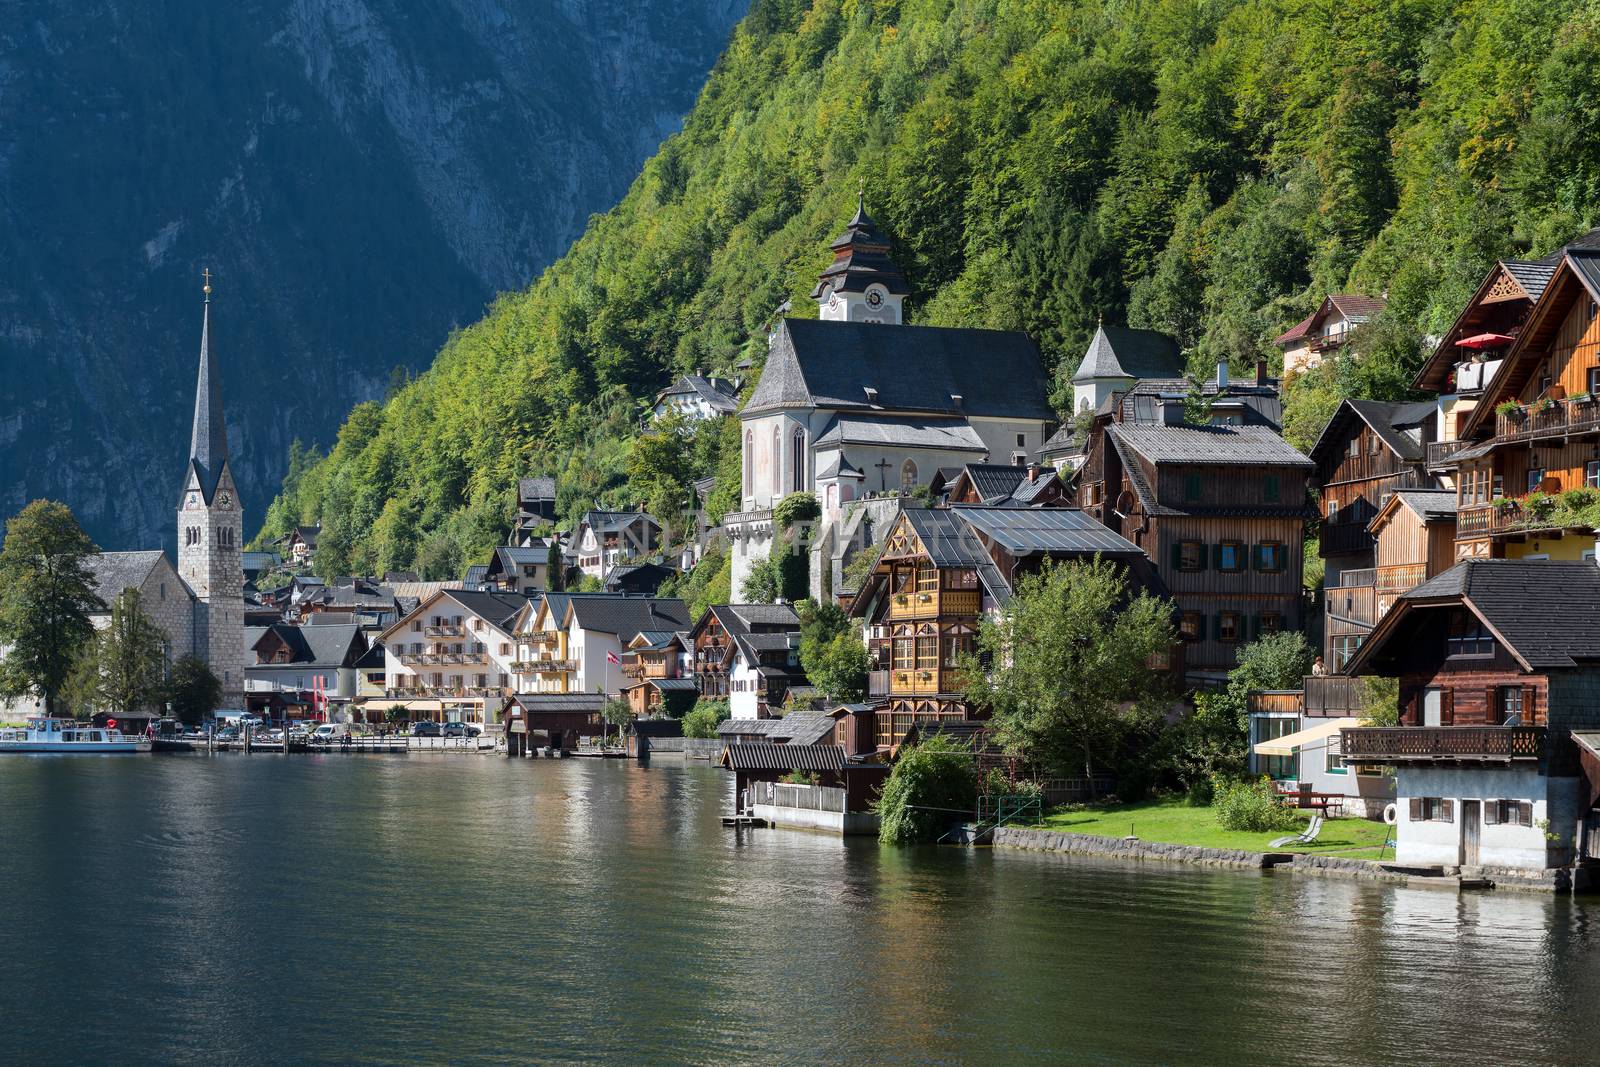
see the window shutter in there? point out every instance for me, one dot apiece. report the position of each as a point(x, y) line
point(1491, 812)
point(1447, 811)
point(1177, 555)
point(1529, 695)
point(1447, 707)
point(1525, 811)
point(1216, 557)
point(1216, 627)
point(1416, 809)
point(1491, 706)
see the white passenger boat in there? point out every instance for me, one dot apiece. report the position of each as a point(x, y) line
point(64, 735)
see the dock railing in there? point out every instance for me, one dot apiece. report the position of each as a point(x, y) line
point(794, 795)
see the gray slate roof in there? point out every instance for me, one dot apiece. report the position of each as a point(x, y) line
point(1429, 503)
point(625, 616)
point(951, 436)
point(1533, 276)
point(1563, 631)
point(498, 608)
point(800, 728)
point(115, 571)
point(1252, 446)
point(818, 363)
point(718, 393)
point(536, 488)
point(1398, 425)
point(1118, 352)
point(324, 645)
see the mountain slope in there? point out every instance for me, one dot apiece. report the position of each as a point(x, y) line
point(1206, 169)
point(360, 176)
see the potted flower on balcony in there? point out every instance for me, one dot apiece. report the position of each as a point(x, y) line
point(1538, 505)
point(1582, 398)
point(1502, 504)
point(1546, 403)
point(1510, 410)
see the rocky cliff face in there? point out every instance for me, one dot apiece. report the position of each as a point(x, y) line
point(359, 175)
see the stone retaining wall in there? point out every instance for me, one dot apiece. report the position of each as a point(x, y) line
point(1130, 848)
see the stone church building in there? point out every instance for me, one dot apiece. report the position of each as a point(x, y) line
point(855, 404)
point(199, 604)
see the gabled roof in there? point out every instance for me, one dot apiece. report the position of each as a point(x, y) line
point(1061, 443)
point(718, 393)
point(1429, 504)
point(1355, 308)
point(1242, 446)
point(536, 488)
point(625, 616)
point(329, 645)
point(1119, 352)
point(946, 436)
point(607, 521)
point(862, 366)
point(1563, 633)
point(112, 572)
point(1398, 424)
point(1036, 531)
point(991, 482)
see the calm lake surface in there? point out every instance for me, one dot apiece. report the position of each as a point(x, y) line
point(457, 909)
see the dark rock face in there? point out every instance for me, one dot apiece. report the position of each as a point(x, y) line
point(360, 175)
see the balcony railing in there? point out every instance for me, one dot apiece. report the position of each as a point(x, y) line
point(1565, 417)
point(445, 631)
point(1442, 453)
point(539, 638)
point(1473, 522)
point(1399, 744)
point(931, 603)
point(1399, 577)
point(1341, 538)
point(1333, 696)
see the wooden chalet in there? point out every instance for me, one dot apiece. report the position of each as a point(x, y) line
point(996, 485)
point(656, 683)
point(536, 510)
point(937, 572)
point(747, 654)
point(1325, 330)
point(1369, 449)
point(1498, 703)
point(1472, 350)
point(1535, 433)
point(1221, 511)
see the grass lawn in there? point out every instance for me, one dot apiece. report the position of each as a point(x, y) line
point(1175, 822)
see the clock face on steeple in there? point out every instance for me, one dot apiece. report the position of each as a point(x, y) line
point(874, 298)
point(224, 499)
point(193, 501)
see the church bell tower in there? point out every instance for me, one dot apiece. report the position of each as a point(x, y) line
point(211, 529)
point(863, 283)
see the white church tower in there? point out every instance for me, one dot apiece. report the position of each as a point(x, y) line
point(211, 529)
point(862, 284)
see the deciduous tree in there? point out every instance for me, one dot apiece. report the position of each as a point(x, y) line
point(47, 595)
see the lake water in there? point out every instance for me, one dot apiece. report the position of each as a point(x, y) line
point(458, 909)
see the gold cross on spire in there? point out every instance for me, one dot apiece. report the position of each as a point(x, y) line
point(207, 273)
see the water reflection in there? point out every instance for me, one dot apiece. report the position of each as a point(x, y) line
point(349, 909)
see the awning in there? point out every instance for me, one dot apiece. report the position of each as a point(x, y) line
point(1289, 744)
point(1485, 340)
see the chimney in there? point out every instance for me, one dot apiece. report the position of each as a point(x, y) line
point(1033, 475)
point(1261, 372)
point(1172, 411)
point(1222, 375)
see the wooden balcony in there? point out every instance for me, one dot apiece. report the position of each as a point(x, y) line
point(1441, 454)
point(1399, 577)
point(1564, 419)
point(933, 604)
point(1332, 696)
point(1343, 538)
point(1474, 522)
point(1290, 701)
point(1426, 744)
point(445, 631)
point(539, 638)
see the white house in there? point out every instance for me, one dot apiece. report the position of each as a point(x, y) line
point(607, 538)
point(575, 642)
point(1325, 329)
point(1117, 359)
point(697, 397)
point(452, 658)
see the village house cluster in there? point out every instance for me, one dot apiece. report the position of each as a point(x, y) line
point(1457, 536)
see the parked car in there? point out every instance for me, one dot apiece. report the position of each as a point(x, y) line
point(454, 729)
point(425, 729)
point(330, 731)
point(228, 733)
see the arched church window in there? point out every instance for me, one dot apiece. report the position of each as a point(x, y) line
point(797, 461)
point(908, 475)
point(777, 461)
point(749, 461)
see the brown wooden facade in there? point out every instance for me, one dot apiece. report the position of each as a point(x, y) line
point(1227, 542)
point(1549, 444)
point(1357, 468)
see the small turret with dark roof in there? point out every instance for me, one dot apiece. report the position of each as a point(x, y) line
point(863, 283)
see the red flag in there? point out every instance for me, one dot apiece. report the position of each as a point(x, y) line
point(611, 657)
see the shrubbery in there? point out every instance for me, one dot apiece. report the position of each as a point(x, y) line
point(704, 718)
point(928, 788)
point(1250, 805)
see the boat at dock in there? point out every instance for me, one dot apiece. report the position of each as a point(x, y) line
point(64, 735)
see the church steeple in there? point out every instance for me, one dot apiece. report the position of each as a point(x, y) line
point(863, 283)
point(208, 443)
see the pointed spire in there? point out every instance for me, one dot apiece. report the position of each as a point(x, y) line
point(208, 443)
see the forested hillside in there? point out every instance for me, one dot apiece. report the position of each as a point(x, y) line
point(1210, 169)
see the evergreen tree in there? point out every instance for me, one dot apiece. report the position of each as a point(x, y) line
point(46, 597)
